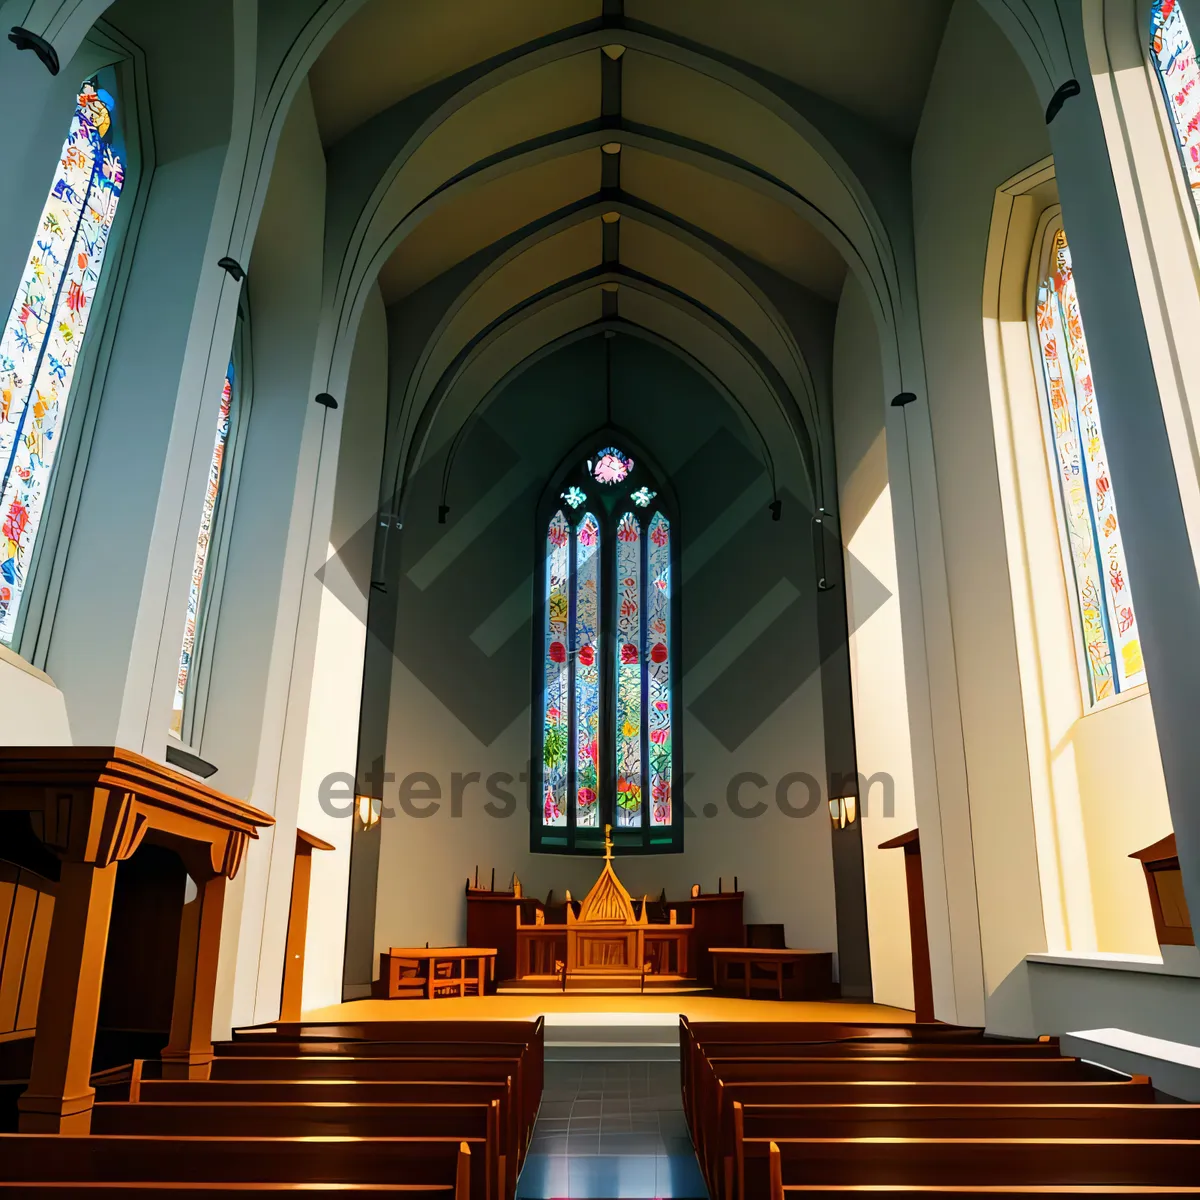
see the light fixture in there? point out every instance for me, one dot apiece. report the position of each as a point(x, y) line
point(368, 810)
point(843, 811)
point(611, 148)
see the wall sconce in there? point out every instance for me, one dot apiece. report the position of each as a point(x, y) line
point(367, 809)
point(843, 811)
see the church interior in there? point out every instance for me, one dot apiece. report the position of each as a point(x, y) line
point(642, 645)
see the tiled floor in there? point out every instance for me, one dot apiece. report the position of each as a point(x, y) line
point(609, 1130)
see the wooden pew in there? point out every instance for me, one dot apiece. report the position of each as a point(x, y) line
point(707, 1107)
point(761, 1123)
point(412, 1062)
point(78, 1165)
point(238, 1092)
point(695, 1037)
point(715, 1082)
point(969, 1164)
point(529, 1034)
point(316, 1119)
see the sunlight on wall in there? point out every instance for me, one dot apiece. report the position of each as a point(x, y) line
point(1096, 777)
point(881, 735)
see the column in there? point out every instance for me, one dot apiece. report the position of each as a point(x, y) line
point(59, 1097)
point(189, 1052)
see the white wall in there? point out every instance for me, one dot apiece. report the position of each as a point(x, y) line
point(876, 648)
point(332, 743)
point(284, 288)
point(35, 710)
point(981, 123)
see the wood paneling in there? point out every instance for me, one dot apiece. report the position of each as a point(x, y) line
point(26, 910)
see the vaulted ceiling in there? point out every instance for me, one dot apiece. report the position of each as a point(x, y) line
point(518, 173)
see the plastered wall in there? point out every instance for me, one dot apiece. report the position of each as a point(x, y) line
point(876, 654)
point(461, 680)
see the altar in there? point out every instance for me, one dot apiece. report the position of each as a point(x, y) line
point(608, 941)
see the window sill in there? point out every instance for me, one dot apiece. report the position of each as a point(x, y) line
point(1182, 961)
point(15, 660)
point(1133, 693)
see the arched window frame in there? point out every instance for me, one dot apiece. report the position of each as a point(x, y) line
point(1049, 225)
point(608, 506)
point(196, 692)
point(104, 52)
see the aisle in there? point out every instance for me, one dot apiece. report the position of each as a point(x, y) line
point(609, 1129)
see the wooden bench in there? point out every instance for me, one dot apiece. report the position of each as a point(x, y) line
point(705, 1107)
point(761, 1123)
point(523, 1064)
point(932, 1163)
point(216, 1093)
point(317, 1119)
point(88, 1163)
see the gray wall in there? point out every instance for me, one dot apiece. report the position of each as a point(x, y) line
point(460, 685)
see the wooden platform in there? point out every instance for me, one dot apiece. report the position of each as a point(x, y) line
point(700, 1006)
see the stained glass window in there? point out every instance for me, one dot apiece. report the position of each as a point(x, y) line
point(1174, 60)
point(610, 466)
point(44, 334)
point(1111, 651)
point(605, 674)
point(208, 517)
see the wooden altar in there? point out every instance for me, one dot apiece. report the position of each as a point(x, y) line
point(607, 941)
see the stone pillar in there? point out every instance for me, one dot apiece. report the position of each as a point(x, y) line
point(59, 1097)
point(189, 1052)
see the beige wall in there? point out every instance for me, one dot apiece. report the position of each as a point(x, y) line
point(876, 650)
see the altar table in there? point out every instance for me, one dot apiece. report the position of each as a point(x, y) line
point(811, 971)
point(445, 968)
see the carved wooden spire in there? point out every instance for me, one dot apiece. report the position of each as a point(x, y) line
point(608, 900)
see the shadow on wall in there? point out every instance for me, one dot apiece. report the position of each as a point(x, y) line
point(460, 678)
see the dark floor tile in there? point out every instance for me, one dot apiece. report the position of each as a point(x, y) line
point(679, 1177)
point(606, 1176)
point(543, 1176)
point(637, 1142)
point(548, 1144)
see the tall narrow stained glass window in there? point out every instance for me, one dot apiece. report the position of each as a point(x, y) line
point(605, 680)
point(197, 596)
point(1110, 652)
point(44, 334)
point(1174, 59)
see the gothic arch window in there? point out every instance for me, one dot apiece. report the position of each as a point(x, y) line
point(1109, 645)
point(606, 683)
point(205, 581)
point(46, 330)
point(1174, 58)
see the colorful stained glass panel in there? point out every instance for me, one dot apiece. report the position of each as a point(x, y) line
point(658, 666)
point(586, 731)
point(1174, 59)
point(610, 466)
point(557, 698)
point(44, 334)
point(208, 517)
point(628, 672)
point(1111, 644)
